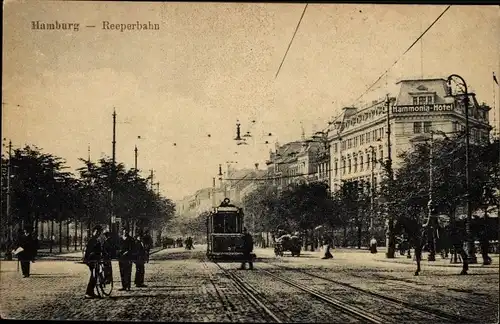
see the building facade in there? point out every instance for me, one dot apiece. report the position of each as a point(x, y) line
point(359, 136)
point(304, 160)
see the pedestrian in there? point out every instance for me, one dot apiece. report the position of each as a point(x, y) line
point(26, 251)
point(327, 244)
point(247, 250)
point(93, 253)
point(373, 245)
point(125, 257)
point(148, 243)
point(140, 257)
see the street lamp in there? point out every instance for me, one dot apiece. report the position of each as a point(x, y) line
point(8, 253)
point(460, 82)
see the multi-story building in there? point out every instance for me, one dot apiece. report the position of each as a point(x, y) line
point(359, 136)
point(297, 161)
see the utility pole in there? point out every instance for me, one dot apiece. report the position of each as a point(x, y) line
point(372, 187)
point(430, 206)
point(391, 246)
point(470, 241)
point(135, 158)
point(213, 192)
point(113, 177)
point(152, 179)
point(8, 253)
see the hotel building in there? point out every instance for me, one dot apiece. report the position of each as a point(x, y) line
point(358, 136)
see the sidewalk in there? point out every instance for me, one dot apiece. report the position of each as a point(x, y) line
point(364, 256)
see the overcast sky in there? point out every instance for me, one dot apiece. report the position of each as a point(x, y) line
point(213, 63)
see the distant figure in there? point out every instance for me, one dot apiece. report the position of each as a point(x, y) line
point(247, 250)
point(148, 243)
point(328, 254)
point(373, 245)
point(189, 243)
point(26, 251)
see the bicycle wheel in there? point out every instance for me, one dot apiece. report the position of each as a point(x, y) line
point(105, 286)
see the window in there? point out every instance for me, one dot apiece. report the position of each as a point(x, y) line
point(381, 154)
point(343, 166)
point(361, 162)
point(368, 137)
point(349, 166)
point(355, 165)
point(415, 101)
point(421, 100)
point(335, 148)
point(430, 99)
point(374, 157)
point(336, 168)
point(455, 128)
point(417, 127)
point(427, 127)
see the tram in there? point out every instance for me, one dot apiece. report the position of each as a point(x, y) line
point(225, 232)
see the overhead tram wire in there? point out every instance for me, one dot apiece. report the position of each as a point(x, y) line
point(290, 44)
point(401, 56)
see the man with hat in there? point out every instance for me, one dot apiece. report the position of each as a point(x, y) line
point(140, 258)
point(125, 258)
point(247, 250)
point(93, 253)
point(26, 251)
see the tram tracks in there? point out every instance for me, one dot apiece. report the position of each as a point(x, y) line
point(261, 302)
point(388, 301)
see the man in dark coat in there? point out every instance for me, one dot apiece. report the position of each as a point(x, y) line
point(27, 247)
point(140, 258)
point(247, 250)
point(108, 253)
point(93, 253)
point(125, 258)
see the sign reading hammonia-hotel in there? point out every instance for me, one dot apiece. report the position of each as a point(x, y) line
point(423, 108)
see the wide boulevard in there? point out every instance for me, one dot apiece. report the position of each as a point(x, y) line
point(353, 287)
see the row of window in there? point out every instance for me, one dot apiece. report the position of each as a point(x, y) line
point(358, 140)
point(351, 165)
point(419, 127)
point(423, 100)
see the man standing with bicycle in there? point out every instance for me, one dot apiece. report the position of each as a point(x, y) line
point(92, 256)
point(125, 257)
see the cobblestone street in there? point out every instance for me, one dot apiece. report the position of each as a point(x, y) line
point(182, 287)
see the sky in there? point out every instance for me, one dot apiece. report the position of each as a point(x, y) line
point(211, 64)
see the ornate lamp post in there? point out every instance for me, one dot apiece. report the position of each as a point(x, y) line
point(460, 83)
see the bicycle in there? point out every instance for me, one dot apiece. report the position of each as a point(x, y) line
point(104, 287)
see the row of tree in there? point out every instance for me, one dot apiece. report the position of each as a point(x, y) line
point(43, 190)
point(357, 213)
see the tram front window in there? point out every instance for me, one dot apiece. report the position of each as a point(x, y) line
point(226, 223)
point(219, 224)
point(230, 224)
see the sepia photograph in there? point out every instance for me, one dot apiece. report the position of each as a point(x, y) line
point(265, 162)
